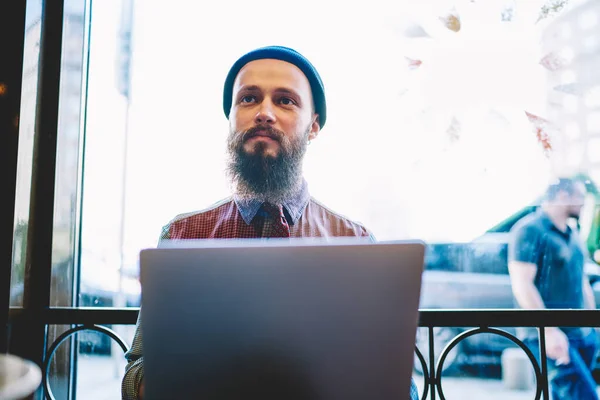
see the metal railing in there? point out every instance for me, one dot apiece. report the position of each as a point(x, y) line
point(480, 321)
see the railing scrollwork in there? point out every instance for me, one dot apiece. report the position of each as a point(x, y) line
point(64, 336)
point(432, 367)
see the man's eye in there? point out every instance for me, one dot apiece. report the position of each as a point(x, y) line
point(287, 101)
point(247, 99)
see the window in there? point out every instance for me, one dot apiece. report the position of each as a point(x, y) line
point(590, 43)
point(588, 20)
point(572, 130)
point(593, 122)
point(594, 150)
point(592, 98)
point(444, 123)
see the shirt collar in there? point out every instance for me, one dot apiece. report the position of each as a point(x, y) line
point(548, 224)
point(294, 205)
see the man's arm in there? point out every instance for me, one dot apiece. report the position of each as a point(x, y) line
point(589, 299)
point(524, 251)
point(132, 384)
point(522, 275)
point(523, 256)
point(588, 294)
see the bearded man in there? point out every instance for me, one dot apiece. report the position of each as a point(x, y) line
point(275, 102)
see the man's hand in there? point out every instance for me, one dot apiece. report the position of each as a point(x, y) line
point(141, 393)
point(557, 346)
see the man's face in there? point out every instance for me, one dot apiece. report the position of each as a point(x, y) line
point(271, 122)
point(572, 202)
point(576, 200)
point(272, 108)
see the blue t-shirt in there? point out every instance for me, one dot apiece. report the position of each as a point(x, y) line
point(559, 256)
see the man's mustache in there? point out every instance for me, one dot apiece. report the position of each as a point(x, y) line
point(263, 131)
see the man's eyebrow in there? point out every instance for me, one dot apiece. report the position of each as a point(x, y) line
point(249, 88)
point(287, 91)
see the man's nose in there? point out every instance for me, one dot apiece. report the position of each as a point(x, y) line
point(266, 113)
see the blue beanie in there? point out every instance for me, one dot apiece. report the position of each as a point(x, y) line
point(283, 54)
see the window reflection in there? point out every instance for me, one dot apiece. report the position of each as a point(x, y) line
point(25, 151)
point(65, 227)
point(457, 139)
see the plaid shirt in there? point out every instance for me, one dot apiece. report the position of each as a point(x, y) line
point(235, 218)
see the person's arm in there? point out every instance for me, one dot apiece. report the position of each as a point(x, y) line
point(589, 299)
point(523, 253)
point(523, 256)
point(522, 275)
point(588, 294)
point(132, 384)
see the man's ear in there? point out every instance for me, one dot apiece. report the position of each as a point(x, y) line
point(315, 128)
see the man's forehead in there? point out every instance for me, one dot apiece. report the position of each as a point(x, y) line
point(267, 72)
point(580, 187)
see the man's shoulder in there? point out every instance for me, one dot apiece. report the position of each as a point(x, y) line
point(198, 224)
point(339, 220)
point(528, 228)
point(530, 222)
point(213, 211)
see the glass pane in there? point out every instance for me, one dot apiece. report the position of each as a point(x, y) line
point(106, 280)
point(64, 255)
point(68, 150)
point(447, 122)
point(464, 158)
point(25, 152)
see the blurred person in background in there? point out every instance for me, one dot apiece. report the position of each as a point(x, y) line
point(546, 266)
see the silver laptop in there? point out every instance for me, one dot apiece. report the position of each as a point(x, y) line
point(231, 320)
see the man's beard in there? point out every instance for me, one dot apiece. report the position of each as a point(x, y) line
point(262, 176)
